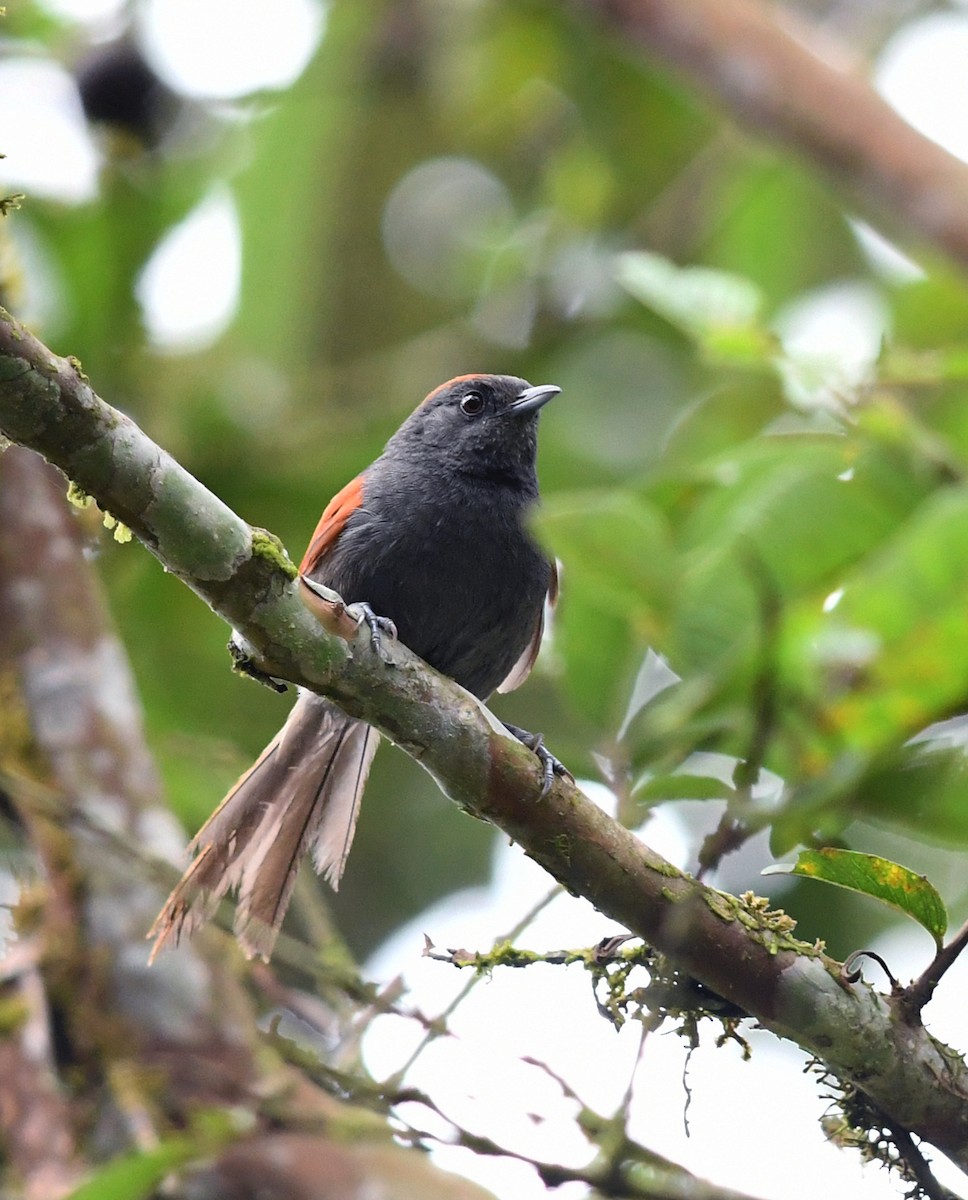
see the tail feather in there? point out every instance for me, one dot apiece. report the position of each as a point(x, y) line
point(302, 792)
point(321, 816)
point(333, 836)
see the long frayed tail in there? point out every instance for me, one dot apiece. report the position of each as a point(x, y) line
point(302, 793)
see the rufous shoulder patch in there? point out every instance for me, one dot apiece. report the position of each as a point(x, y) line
point(331, 524)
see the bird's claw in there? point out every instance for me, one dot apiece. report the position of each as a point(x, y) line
point(550, 766)
point(244, 664)
point(379, 627)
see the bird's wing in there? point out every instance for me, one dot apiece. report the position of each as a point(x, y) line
point(331, 524)
point(522, 668)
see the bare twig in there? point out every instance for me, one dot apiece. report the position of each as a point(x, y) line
point(625, 1169)
point(919, 1167)
point(520, 926)
point(917, 995)
point(738, 824)
point(852, 972)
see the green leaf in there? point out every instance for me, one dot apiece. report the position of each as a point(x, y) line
point(932, 311)
point(616, 543)
point(736, 410)
point(134, 1176)
point(778, 225)
point(618, 568)
point(891, 655)
point(683, 786)
point(784, 514)
point(288, 197)
point(739, 345)
point(718, 309)
point(871, 875)
point(922, 790)
point(902, 365)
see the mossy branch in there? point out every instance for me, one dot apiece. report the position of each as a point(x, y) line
point(734, 946)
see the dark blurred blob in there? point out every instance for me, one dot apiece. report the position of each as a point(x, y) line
point(119, 89)
point(9, 816)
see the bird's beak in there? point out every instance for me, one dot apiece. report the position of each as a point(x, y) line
point(533, 398)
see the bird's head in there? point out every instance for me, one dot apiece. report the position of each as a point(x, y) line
point(482, 425)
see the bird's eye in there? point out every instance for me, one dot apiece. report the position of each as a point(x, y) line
point(472, 404)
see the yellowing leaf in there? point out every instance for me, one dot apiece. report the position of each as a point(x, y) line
point(872, 875)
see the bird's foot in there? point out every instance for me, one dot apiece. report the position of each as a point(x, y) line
point(379, 627)
point(550, 766)
point(244, 664)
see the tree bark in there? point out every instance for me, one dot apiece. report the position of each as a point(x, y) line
point(140, 1050)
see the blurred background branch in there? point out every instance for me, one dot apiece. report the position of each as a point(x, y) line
point(782, 79)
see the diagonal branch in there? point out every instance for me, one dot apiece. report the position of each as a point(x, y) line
point(783, 82)
point(733, 946)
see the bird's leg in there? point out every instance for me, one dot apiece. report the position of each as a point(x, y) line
point(342, 619)
point(550, 766)
point(378, 626)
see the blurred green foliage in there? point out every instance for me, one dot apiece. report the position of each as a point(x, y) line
point(140, 1173)
point(789, 533)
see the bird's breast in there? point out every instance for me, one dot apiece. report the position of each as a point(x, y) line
point(456, 571)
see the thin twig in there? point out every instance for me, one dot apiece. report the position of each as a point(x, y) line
point(735, 827)
point(917, 995)
point(433, 1033)
point(920, 1167)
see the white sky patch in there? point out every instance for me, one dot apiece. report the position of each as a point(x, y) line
point(535, 1012)
point(921, 72)
point(833, 600)
point(48, 149)
point(842, 323)
point(654, 676)
point(892, 264)
point(832, 337)
point(221, 49)
point(189, 288)
point(89, 11)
